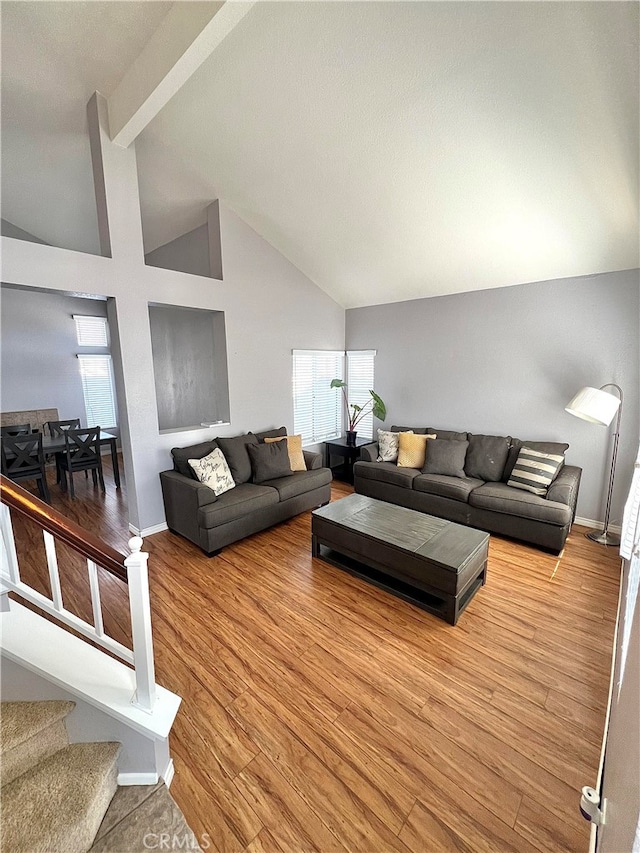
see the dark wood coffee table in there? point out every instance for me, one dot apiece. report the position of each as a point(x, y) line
point(433, 563)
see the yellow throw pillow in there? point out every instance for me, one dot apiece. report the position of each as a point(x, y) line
point(294, 448)
point(412, 449)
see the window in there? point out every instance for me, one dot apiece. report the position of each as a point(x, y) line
point(317, 407)
point(97, 385)
point(359, 382)
point(91, 331)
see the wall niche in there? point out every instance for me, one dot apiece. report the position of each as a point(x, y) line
point(190, 367)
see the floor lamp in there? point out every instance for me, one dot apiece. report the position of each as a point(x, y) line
point(599, 407)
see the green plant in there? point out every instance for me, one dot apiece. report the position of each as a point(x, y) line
point(355, 413)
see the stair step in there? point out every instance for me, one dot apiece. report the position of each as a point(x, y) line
point(140, 819)
point(30, 732)
point(58, 806)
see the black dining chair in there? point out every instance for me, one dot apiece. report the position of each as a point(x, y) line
point(16, 429)
point(81, 453)
point(23, 459)
point(58, 427)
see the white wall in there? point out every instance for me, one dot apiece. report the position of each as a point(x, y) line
point(39, 346)
point(507, 361)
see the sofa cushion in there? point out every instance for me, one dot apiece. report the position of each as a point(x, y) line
point(412, 449)
point(212, 470)
point(269, 433)
point(445, 456)
point(556, 447)
point(181, 456)
point(293, 444)
point(486, 456)
point(388, 445)
point(449, 434)
point(534, 471)
point(235, 504)
point(269, 461)
point(456, 488)
point(235, 452)
point(300, 482)
point(386, 472)
point(498, 497)
point(417, 430)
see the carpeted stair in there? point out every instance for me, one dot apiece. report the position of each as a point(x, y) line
point(54, 794)
point(58, 797)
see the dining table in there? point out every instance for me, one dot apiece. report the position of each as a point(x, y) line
point(55, 444)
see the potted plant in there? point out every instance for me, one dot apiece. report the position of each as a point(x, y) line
point(355, 413)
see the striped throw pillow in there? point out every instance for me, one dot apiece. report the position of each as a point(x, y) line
point(535, 471)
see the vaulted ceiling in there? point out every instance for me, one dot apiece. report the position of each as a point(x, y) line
point(391, 150)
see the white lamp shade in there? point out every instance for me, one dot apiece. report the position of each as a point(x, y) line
point(594, 405)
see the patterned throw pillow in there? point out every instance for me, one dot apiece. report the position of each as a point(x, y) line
point(388, 445)
point(213, 471)
point(535, 471)
point(412, 449)
point(294, 446)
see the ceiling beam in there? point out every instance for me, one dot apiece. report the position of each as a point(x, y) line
point(187, 36)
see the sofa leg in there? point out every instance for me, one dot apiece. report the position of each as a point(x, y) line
point(213, 553)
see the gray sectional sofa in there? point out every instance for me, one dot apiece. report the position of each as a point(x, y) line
point(212, 522)
point(480, 497)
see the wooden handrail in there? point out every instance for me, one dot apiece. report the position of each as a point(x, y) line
point(72, 534)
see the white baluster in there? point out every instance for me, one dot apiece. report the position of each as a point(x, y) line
point(9, 555)
point(54, 574)
point(95, 598)
point(140, 607)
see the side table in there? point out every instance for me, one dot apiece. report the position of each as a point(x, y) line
point(346, 454)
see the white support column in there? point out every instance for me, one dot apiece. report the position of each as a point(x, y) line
point(54, 573)
point(140, 607)
point(96, 604)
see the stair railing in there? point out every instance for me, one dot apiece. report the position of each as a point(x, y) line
point(132, 570)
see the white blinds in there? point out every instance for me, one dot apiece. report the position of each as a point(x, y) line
point(91, 331)
point(360, 371)
point(97, 385)
point(316, 406)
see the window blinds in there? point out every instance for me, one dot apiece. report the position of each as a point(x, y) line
point(317, 408)
point(91, 331)
point(97, 385)
point(360, 371)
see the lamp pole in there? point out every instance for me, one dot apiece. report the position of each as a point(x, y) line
point(605, 537)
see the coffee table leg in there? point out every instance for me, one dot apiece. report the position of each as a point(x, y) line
point(315, 546)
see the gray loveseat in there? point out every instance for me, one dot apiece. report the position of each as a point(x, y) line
point(211, 522)
point(480, 497)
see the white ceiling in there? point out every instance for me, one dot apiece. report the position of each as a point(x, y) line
point(390, 150)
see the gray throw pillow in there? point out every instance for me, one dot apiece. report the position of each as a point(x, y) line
point(235, 452)
point(486, 456)
point(450, 434)
point(181, 456)
point(269, 461)
point(270, 433)
point(445, 456)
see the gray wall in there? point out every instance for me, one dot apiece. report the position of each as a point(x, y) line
point(187, 253)
point(39, 368)
point(507, 361)
point(8, 229)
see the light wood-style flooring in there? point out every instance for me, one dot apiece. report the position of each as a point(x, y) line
point(321, 714)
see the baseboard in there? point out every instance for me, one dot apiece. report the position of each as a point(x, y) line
point(126, 779)
point(597, 525)
point(167, 776)
point(148, 531)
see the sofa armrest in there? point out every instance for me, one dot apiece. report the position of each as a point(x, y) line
point(312, 459)
point(183, 498)
point(564, 488)
point(369, 452)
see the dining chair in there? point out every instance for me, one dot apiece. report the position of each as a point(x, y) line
point(58, 427)
point(15, 429)
point(81, 453)
point(23, 459)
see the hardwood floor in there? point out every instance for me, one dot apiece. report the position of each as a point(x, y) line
point(319, 713)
